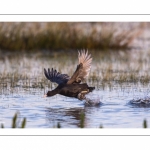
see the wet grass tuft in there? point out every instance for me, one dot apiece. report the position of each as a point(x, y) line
point(16, 122)
point(58, 125)
point(145, 124)
point(82, 120)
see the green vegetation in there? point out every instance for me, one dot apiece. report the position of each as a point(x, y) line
point(62, 35)
point(58, 125)
point(145, 124)
point(82, 122)
point(15, 123)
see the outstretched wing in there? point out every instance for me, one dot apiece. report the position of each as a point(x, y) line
point(83, 68)
point(55, 76)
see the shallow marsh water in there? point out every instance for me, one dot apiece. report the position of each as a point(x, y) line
point(117, 78)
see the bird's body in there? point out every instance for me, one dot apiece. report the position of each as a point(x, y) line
point(72, 90)
point(71, 87)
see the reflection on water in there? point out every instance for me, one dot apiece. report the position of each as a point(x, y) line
point(66, 117)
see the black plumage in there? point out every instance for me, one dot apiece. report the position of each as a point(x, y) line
point(71, 87)
point(55, 76)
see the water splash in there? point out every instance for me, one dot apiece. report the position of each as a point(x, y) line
point(92, 99)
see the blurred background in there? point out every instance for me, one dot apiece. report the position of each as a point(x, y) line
point(72, 35)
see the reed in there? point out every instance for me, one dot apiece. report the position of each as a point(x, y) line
point(30, 36)
point(26, 70)
point(82, 120)
point(145, 124)
point(15, 122)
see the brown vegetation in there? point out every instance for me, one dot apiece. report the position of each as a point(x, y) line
point(65, 35)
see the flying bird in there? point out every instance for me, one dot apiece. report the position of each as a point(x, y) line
point(72, 86)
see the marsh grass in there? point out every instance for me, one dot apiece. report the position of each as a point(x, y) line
point(65, 35)
point(145, 123)
point(82, 122)
point(108, 68)
point(16, 123)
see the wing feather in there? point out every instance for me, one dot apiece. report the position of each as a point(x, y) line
point(83, 68)
point(55, 76)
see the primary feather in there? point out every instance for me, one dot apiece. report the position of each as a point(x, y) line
point(86, 61)
point(83, 68)
point(55, 76)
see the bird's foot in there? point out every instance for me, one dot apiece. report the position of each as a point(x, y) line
point(45, 96)
point(81, 95)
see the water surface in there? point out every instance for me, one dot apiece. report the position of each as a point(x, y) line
point(115, 111)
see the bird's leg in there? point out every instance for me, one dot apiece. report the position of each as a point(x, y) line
point(81, 95)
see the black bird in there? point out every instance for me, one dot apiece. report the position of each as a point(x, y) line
point(71, 87)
